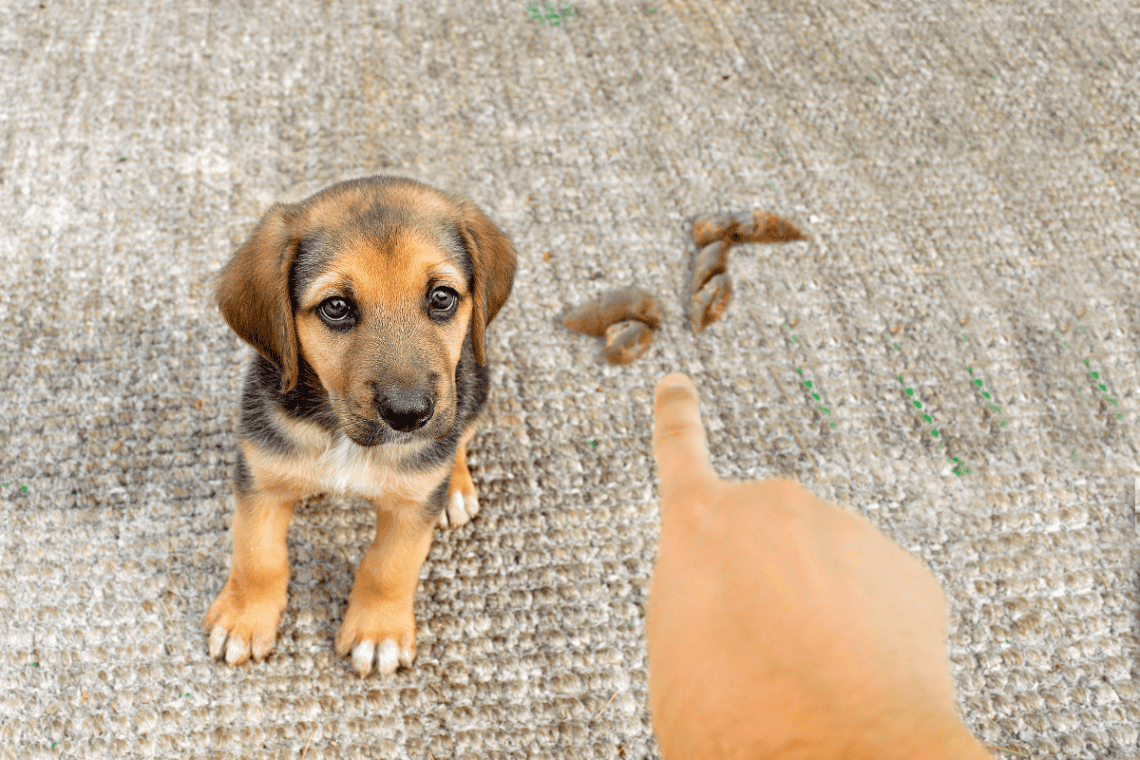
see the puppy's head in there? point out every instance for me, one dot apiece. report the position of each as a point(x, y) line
point(374, 284)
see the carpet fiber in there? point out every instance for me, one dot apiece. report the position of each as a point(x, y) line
point(965, 172)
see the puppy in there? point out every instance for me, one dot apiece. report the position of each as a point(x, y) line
point(367, 304)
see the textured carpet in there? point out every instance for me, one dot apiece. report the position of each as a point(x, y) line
point(947, 160)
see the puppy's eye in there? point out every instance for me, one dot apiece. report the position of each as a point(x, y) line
point(335, 310)
point(444, 299)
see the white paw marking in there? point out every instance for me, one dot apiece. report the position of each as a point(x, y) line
point(362, 657)
point(460, 510)
point(388, 656)
point(456, 512)
point(407, 656)
point(261, 645)
point(236, 649)
point(217, 641)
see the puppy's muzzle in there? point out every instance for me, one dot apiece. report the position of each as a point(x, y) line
point(405, 409)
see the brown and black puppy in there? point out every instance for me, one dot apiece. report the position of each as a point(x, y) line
point(367, 304)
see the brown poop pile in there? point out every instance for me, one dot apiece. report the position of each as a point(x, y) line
point(746, 227)
point(627, 317)
point(712, 287)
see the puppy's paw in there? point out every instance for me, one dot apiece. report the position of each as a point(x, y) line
point(383, 633)
point(462, 503)
point(239, 626)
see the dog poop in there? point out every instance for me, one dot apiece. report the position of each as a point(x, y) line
point(715, 234)
point(594, 317)
point(710, 301)
point(765, 228)
point(626, 317)
point(712, 260)
point(745, 227)
point(625, 341)
point(708, 229)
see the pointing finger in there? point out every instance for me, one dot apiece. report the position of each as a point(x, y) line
point(679, 444)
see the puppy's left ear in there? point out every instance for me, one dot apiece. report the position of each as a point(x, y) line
point(493, 259)
point(252, 291)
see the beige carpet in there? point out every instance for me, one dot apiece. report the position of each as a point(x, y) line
point(948, 160)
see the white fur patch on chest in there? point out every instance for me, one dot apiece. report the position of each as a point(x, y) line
point(333, 463)
point(370, 471)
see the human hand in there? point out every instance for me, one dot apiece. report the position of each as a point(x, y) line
point(780, 626)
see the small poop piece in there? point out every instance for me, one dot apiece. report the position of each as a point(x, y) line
point(627, 340)
point(759, 227)
point(710, 301)
point(707, 229)
point(745, 227)
point(712, 260)
point(594, 317)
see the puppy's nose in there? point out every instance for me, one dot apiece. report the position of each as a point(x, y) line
point(406, 409)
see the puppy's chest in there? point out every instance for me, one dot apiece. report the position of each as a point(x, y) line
point(333, 463)
point(345, 467)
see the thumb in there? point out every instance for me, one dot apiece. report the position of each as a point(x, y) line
point(679, 443)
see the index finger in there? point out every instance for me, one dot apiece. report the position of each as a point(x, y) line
point(679, 444)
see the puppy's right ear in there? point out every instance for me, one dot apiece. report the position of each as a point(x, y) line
point(252, 290)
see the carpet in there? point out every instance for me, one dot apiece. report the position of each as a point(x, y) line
point(965, 174)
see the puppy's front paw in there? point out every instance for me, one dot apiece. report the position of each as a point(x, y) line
point(240, 626)
point(462, 503)
point(380, 632)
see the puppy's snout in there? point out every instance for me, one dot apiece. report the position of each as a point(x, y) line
point(406, 409)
